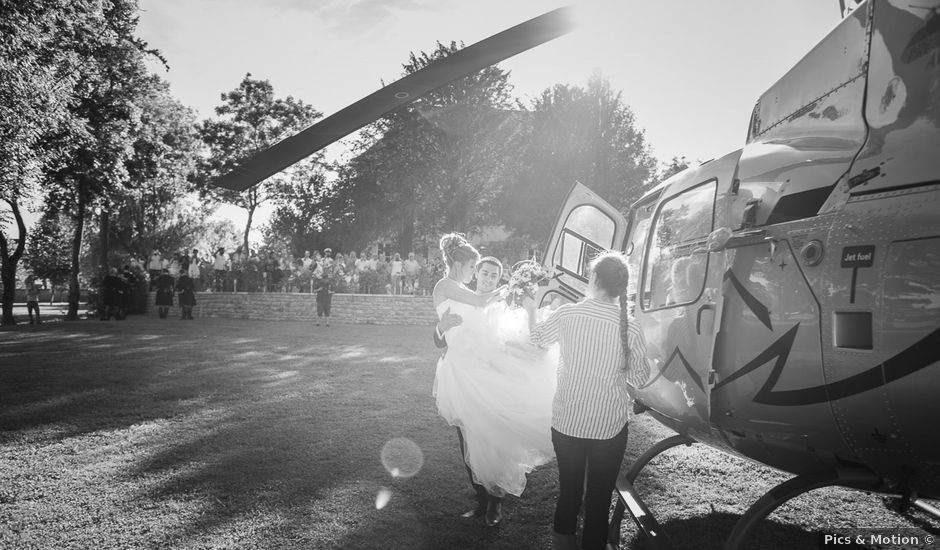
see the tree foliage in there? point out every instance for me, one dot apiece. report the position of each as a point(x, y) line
point(48, 254)
point(37, 72)
point(575, 134)
point(673, 167)
point(153, 210)
point(250, 119)
point(435, 164)
point(300, 215)
point(215, 234)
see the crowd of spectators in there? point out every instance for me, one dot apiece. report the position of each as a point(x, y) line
point(238, 271)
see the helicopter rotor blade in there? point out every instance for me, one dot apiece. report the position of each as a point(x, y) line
point(494, 49)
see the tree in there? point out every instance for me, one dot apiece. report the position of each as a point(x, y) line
point(154, 209)
point(250, 120)
point(435, 164)
point(10, 260)
point(575, 134)
point(48, 251)
point(298, 219)
point(105, 112)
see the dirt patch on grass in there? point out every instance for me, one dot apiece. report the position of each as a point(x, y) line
point(217, 433)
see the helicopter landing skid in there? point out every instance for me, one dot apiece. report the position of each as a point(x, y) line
point(923, 513)
point(628, 498)
point(794, 487)
point(926, 507)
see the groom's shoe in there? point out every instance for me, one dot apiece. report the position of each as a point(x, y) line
point(494, 514)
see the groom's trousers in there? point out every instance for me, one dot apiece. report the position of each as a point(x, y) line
point(482, 495)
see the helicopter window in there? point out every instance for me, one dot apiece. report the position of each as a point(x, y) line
point(676, 261)
point(588, 231)
point(593, 224)
point(577, 252)
point(636, 240)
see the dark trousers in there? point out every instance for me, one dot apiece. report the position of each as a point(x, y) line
point(482, 495)
point(602, 458)
point(324, 303)
point(32, 305)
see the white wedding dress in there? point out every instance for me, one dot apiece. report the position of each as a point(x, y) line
point(498, 390)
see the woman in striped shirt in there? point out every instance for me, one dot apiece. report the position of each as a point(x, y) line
point(590, 408)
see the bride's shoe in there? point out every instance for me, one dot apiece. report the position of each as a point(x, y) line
point(479, 511)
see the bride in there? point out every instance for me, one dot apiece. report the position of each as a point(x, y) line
point(490, 385)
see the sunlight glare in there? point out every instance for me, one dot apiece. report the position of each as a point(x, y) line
point(402, 457)
point(382, 498)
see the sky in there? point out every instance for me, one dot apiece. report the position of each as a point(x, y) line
point(690, 71)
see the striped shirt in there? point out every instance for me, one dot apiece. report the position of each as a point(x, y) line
point(591, 400)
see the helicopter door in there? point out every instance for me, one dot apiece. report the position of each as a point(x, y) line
point(678, 288)
point(586, 226)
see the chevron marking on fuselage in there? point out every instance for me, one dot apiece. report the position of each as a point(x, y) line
point(688, 368)
point(759, 309)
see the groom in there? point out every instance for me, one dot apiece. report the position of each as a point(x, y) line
point(488, 273)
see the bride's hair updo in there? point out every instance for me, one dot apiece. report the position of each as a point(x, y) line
point(455, 248)
point(613, 275)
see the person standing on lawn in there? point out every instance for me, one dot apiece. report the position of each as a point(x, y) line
point(111, 295)
point(164, 298)
point(598, 345)
point(32, 298)
point(186, 288)
point(323, 286)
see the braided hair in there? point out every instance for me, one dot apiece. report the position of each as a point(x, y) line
point(612, 276)
point(455, 248)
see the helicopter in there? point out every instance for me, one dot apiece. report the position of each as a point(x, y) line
point(789, 291)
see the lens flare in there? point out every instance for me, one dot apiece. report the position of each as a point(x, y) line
point(402, 457)
point(382, 498)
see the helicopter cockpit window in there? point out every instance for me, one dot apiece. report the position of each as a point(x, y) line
point(640, 217)
point(588, 231)
point(677, 260)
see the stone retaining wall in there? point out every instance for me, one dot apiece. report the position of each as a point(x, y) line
point(377, 309)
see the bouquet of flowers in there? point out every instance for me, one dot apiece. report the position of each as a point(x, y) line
point(526, 276)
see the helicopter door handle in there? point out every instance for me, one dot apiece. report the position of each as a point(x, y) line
point(698, 318)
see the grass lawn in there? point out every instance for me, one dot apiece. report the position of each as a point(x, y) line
point(219, 433)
